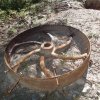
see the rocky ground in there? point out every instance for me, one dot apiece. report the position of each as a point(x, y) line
point(72, 13)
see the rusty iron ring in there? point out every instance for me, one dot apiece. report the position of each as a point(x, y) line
point(50, 83)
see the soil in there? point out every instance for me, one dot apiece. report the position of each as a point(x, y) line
point(87, 21)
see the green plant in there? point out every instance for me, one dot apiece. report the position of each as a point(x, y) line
point(16, 4)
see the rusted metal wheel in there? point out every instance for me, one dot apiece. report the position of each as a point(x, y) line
point(42, 42)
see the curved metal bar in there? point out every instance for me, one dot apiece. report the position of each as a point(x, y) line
point(66, 45)
point(24, 43)
point(65, 57)
point(22, 59)
point(46, 71)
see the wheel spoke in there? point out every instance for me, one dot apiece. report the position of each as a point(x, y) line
point(65, 57)
point(63, 46)
point(29, 42)
point(24, 43)
point(46, 71)
point(22, 59)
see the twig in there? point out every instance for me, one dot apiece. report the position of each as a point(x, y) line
point(11, 88)
point(56, 75)
point(14, 86)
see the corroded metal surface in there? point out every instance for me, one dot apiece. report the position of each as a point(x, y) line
point(48, 49)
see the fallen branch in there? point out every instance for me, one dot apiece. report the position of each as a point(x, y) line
point(13, 87)
point(56, 75)
point(9, 90)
